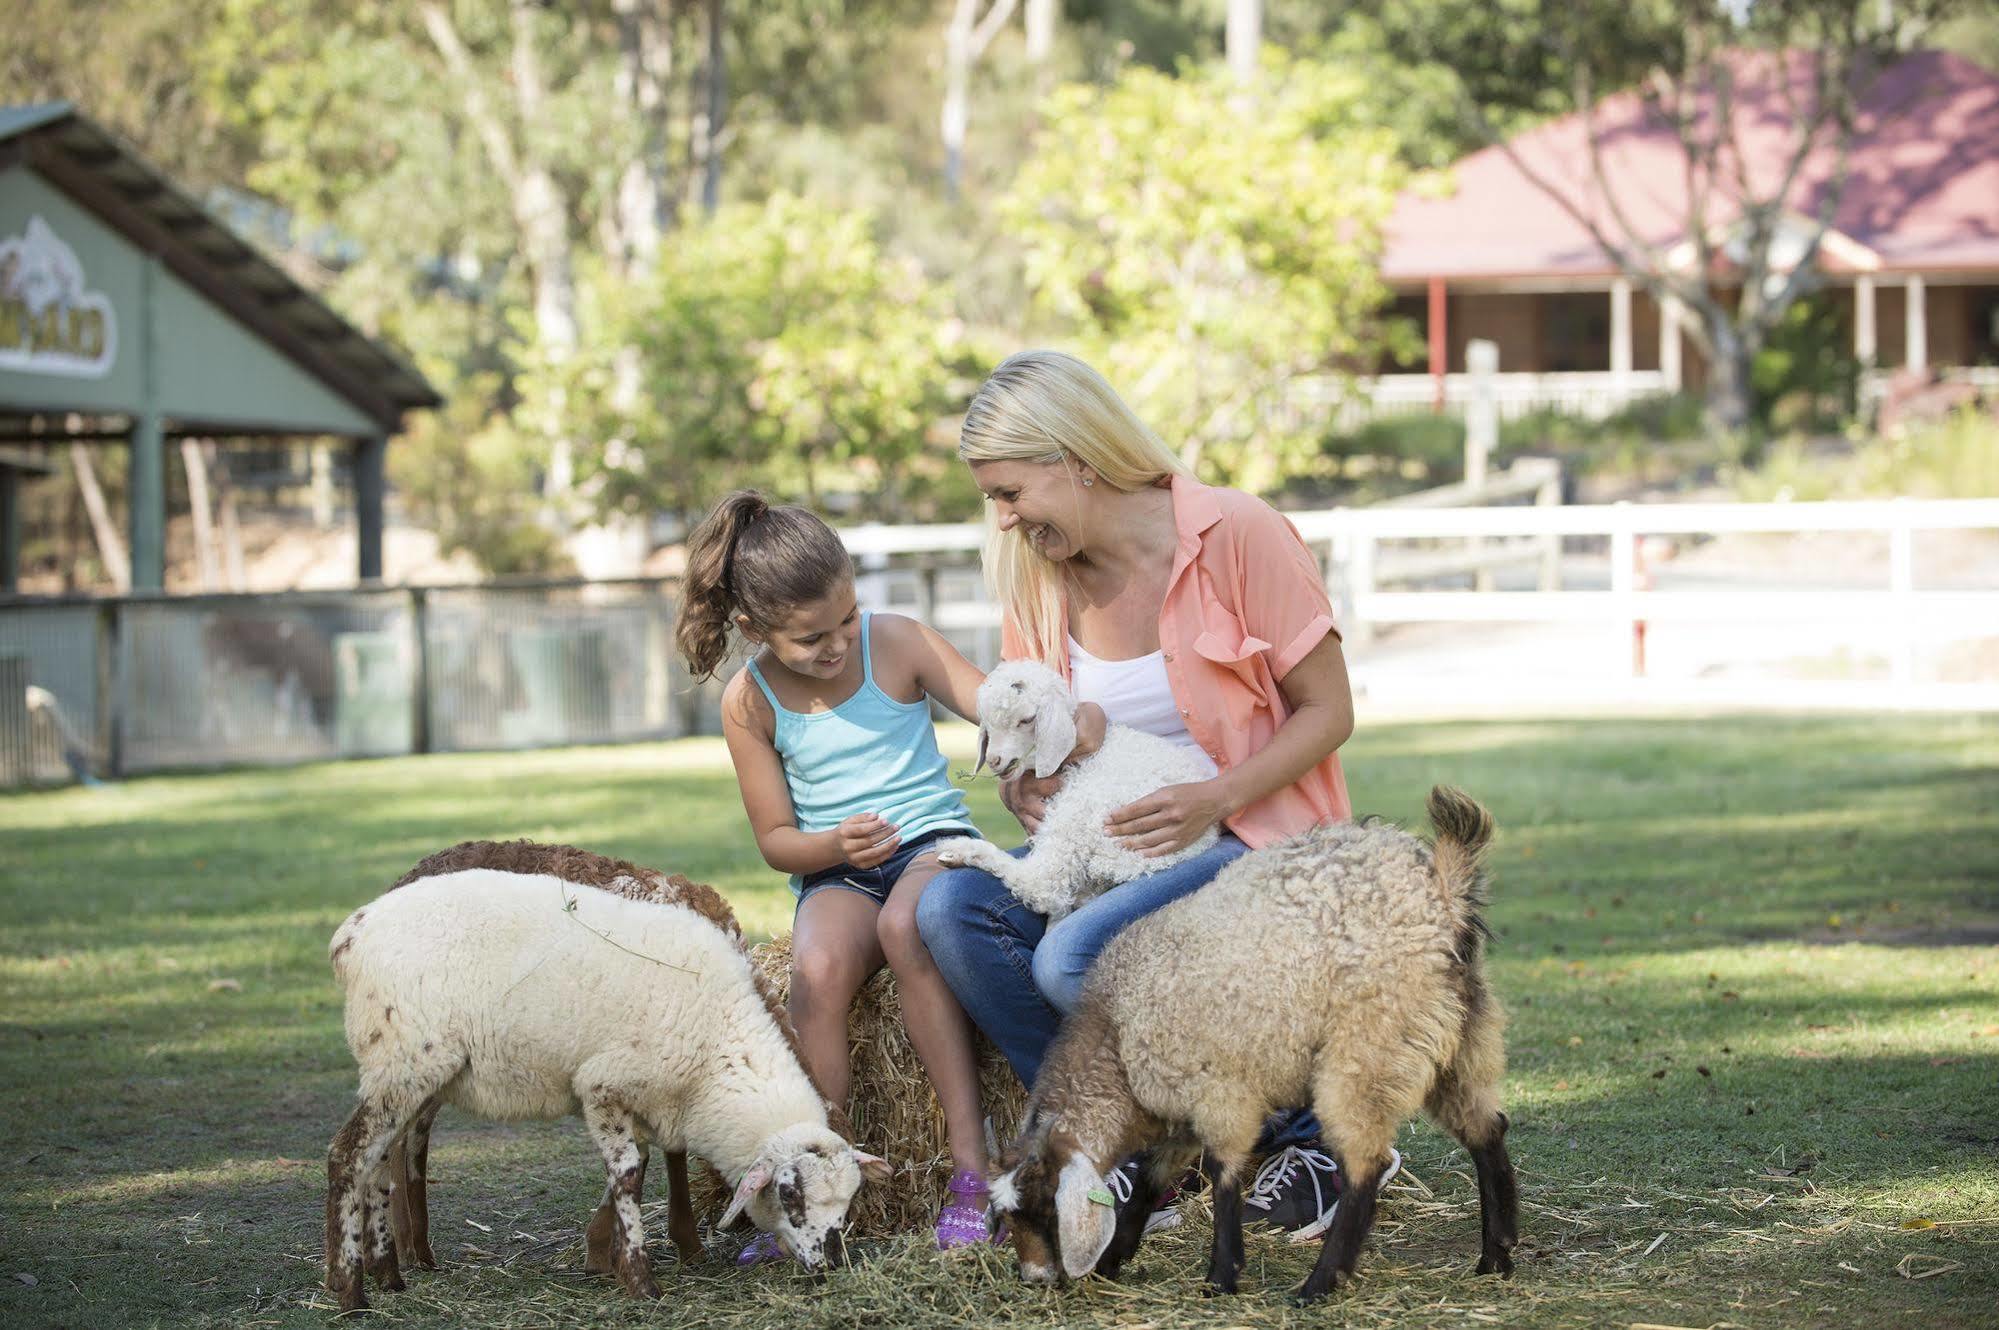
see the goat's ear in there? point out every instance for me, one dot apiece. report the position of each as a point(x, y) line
point(1054, 735)
point(1085, 1216)
point(753, 1182)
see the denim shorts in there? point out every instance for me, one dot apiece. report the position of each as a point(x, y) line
point(876, 883)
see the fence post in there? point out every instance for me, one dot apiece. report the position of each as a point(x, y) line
point(1550, 496)
point(926, 589)
point(1481, 433)
point(1624, 578)
point(110, 702)
point(1360, 586)
point(1902, 586)
point(420, 684)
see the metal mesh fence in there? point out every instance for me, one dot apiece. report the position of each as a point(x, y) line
point(239, 679)
point(523, 667)
point(125, 686)
point(52, 726)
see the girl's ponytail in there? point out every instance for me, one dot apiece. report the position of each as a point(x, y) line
point(749, 558)
point(705, 601)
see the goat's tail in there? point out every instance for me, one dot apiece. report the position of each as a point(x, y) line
point(1464, 830)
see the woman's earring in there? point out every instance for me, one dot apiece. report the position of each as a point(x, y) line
point(1089, 480)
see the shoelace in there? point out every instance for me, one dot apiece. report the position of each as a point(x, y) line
point(1120, 1184)
point(1281, 1167)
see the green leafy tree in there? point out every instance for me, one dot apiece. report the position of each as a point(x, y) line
point(1208, 246)
point(777, 345)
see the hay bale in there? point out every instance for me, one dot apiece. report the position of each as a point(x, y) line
point(894, 1112)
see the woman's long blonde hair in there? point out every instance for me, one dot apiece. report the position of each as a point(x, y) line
point(1048, 407)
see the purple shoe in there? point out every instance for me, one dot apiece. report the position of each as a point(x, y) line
point(962, 1221)
point(761, 1250)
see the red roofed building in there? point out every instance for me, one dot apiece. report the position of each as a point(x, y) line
point(1911, 262)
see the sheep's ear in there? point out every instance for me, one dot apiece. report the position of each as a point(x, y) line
point(753, 1182)
point(1003, 1193)
point(1085, 1216)
point(874, 1167)
point(1054, 736)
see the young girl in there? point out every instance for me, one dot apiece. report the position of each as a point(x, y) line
point(829, 727)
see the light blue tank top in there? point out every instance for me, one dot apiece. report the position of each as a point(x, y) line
point(870, 754)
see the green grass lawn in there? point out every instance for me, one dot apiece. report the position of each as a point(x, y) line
point(1755, 1043)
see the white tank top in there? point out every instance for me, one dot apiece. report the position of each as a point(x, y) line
point(1132, 692)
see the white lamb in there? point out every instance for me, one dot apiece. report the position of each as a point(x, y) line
point(1027, 718)
point(523, 996)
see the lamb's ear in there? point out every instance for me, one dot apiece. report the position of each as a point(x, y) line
point(1085, 1216)
point(753, 1182)
point(873, 1167)
point(1054, 735)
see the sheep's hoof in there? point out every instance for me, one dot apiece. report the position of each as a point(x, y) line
point(352, 1297)
point(637, 1277)
point(959, 852)
point(388, 1275)
point(425, 1258)
point(1499, 1263)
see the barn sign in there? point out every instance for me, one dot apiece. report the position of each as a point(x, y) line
point(50, 322)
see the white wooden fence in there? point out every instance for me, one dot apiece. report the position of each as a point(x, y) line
point(1361, 549)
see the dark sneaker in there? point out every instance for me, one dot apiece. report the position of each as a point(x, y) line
point(1297, 1190)
point(1165, 1211)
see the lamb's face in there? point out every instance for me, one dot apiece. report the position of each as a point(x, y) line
point(1027, 720)
point(1056, 1208)
point(800, 1189)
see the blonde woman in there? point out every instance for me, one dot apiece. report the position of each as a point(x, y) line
point(1189, 611)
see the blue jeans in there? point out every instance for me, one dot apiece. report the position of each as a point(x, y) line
point(1016, 976)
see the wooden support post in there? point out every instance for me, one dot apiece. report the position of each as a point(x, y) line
point(1620, 335)
point(368, 487)
point(1440, 353)
point(146, 495)
point(10, 531)
point(1915, 327)
point(1670, 314)
point(1866, 342)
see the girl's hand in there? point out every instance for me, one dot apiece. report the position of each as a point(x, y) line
point(866, 839)
point(1168, 819)
point(1026, 797)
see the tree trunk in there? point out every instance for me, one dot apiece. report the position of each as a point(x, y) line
point(645, 204)
point(965, 40)
point(1243, 37)
point(1728, 404)
point(230, 531)
point(198, 509)
point(705, 135)
point(717, 85)
point(110, 546)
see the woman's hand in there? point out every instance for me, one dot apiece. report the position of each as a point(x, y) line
point(1169, 819)
point(867, 839)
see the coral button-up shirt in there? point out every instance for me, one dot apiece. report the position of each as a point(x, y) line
point(1244, 604)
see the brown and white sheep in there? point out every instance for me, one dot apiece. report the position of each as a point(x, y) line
point(521, 995)
point(1342, 968)
point(409, 1161)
